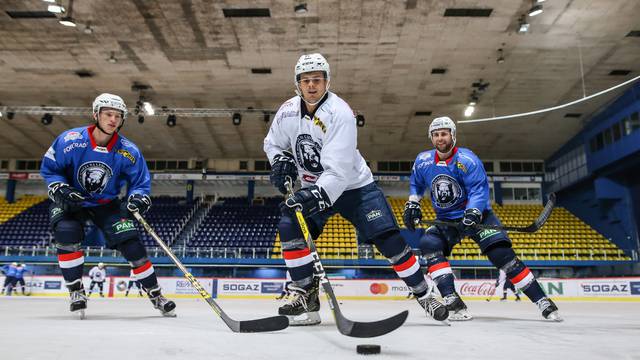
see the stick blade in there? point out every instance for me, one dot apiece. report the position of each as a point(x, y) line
point(273, 323)
point(371, 329)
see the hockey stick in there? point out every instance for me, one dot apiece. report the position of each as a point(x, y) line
point(345, 326)
point(533, 227)
point(273, 323)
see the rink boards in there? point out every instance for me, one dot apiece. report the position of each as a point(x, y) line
point(588, 289)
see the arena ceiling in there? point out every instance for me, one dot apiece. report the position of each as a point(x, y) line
point(384, 56)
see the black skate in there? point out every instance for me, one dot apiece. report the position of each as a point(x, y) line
point(78, 302)
point(549, 309)
point(303, 305)
point(166, 306)
point(433, 308)
point(457, 308)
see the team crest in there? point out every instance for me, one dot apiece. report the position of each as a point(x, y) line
point(94, 176)
point(445, 191)
point(308, 154)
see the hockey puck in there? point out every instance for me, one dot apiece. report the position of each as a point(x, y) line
point(368, 349)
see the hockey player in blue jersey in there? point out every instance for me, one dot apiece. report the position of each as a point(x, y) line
point(9, 271)
point(84, 169)
point(459, 190)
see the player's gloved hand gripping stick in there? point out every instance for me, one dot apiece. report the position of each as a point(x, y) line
point(345, 326)
point(244, 326)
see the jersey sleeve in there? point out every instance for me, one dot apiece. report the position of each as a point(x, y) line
point(53, 164)
point(138, 175)
point(477, 186)
point(276, 140)
point(338, 153)
point(417, 184)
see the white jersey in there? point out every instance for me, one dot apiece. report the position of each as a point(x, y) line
point(98, 275)
point(325, 147)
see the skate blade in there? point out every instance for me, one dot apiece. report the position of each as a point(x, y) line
point(81, 314)
point(306, 319)
point(459, 316)
point(170, 314)
point(554, 316)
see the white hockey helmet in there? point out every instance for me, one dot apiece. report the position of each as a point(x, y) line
point(110, 101)
point(14, 264)
point(100, 265)
point(443, 122)
point(312, 62)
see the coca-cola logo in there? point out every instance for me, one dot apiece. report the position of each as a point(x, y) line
point(477, 289)
point(379, 288)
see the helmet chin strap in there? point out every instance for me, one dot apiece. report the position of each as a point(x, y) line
point(299, 93)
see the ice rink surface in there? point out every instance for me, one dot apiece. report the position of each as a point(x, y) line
point(118, 329)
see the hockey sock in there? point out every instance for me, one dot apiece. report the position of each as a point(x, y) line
point(404, 262)
point(136, 254)
point(441, 273)
point(295, 252)
point(71, 263)
point(503, 257)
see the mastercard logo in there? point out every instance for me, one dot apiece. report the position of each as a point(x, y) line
point(379, 289)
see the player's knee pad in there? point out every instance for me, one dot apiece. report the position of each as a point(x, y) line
point(134, 252)
point(291, 236)
point(68, 232)
point(500, 254)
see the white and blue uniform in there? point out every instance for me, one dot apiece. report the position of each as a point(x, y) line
point(455, 184)
point(10, 277)
point(99, 172)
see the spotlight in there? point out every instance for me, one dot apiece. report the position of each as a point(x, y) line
point(112, 58)
point(171, 120)
point(10, 115)
point(500, 56)
point(360, 120)
point(47, 119)
point(470, 109)
point(535, 10)
point(237, 119)
point(56, 9)
point(140, 119)
point(266, 117)
point(300, 8)
point(67, 21)
point(148, 108)
point(523, 25)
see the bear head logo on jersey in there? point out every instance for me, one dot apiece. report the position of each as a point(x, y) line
point(308, 154)
point(445, 191)
point(94, 176)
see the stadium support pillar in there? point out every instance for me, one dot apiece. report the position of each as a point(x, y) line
point(497, 192)
point(190, 184)
point(11, 191)
point(251, 190)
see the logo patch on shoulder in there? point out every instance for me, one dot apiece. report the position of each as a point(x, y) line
point(72, 135)
point(128, 155)
point(461, 166)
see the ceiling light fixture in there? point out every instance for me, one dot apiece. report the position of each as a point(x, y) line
point(360, 120)
point(523, 25)
point(140, 119)
point(237, 119)
point(300, 8)
point(56, 9)
point(171, 120)
point(266, 117)
point(535, 10)
point(67, 21)
point(47, 119)
point(500, 56)
point(112, 58)
point(470, 109)
point(148, 108)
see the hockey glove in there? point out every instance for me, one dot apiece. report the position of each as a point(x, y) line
point(472, 216)
point(412, 214)
point(65, 196)
point(139, 203)
point(283, 169)
point(309, 200)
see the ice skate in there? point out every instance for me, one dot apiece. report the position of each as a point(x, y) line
point(433, 308)
point(166, 306)
point(78, 298)
point(549, 309)
point(303, 305)
point(457, 308)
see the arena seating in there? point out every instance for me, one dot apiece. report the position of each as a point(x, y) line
point(24, 222)
point(168, 216)
point(235, 224)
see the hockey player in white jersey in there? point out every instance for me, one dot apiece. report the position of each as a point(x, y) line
point(313, 135)
point(98, 275)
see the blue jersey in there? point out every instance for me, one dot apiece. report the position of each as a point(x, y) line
point(9, 270)
point(99, 172)
point(456, 184)
point(20, 270)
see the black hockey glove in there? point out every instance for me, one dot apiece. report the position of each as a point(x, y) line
point(283, 169)
point(65, 196)
point(412, 214)
point(309, 200)
point(472, 216)
point(138, 203)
